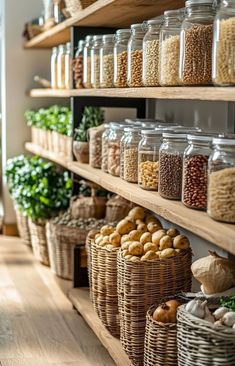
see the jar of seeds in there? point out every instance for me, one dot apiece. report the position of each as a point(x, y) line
point(95, 61)
point(130, 154)
point(223, 71)
point(78, 66)
point(105, 147)
point(169, 52)
point(61, 67)
point(195, 170)
point(120, 58)
point(68, 66)
point(114, 149)
point(135, 59)
point(87, 62)
point(151, 53)
point(107, 61)
point(125, 135)
point(221, 188)
point(196, 43)
point(148, 159)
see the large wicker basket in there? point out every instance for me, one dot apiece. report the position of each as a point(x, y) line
point(39, 241)
point(141, 285)
point(23, 227)
point(117, 207)
point(201, 343)
point(89, 240)
point(74, 6)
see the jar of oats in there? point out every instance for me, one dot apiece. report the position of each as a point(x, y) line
point(120, 57)
point(169, 52)
point(107, 61)
point(223, 71)
point(134, 57)
point(196, 39)
point(221, 187)
point(130, 154)
point(95, 61)
point(87, 62)
point(148, 159)
point(115, 135)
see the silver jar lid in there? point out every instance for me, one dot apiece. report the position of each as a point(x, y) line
point(224, 140)
point(201, 136)
point(198, 2)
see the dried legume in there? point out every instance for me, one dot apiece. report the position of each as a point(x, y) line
point(87, 71)
point(107, 73)
point(78, 72)
point(95, 73)
point(169, 61)
point(121, 70)
point(135, 68)
point(170, 175)
point(151, 63)
point(114, 158)
point(148, 175)
point(131, 165)
point(105, 154)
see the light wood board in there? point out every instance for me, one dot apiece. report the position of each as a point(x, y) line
point(198, 222)
point(81, 301)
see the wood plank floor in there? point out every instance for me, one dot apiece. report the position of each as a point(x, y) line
point(38, 326)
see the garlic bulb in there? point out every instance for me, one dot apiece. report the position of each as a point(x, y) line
point(196, 308)
point(229, 319)
point(220, 312)
point(208, 316)
point(218, 323)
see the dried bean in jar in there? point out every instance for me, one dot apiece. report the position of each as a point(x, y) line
point(131, 165)
point(151, 63)
point(107, 71)
point(170, 175)
point(114, 158)
point(135, 68)
point(78, 72)
point(120, 78)
point(148, 171)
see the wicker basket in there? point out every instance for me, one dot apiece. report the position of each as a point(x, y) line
point(117, 207)
point(74, 6)
point(39, 241)
point(89, 240)
point(141, 285)
point(201, 343)
point(23, 227)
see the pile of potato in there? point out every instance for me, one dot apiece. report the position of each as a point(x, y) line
point(141, 237)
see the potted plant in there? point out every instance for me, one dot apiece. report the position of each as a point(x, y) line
point(92, 117)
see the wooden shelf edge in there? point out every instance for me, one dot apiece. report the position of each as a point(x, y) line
point(81, 301)
point(56, 158)
point(197, 222)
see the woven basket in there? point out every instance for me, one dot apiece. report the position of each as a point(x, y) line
point(35, 135)
point(141, 285)
point(74, 6)
point(23, 227)
point(39, 241)
point(117, 207)
point(104, 286)
point(89, 240)
point(201, 343)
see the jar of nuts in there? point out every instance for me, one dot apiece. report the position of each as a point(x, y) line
point(148, 159)
point(120, 57)
point(122, 146)
point(221, 188)
point(151, 52)
point(78, 66)
point(196, 39)
point(105, 147)
point(95, 61)
point(87, 61)
point(195, 170)
point(169, 52)
point(107, 61)
point(115, 136)
point(130, 154)
point(134, 57)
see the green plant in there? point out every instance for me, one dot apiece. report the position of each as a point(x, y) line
point(85, 191)
point(92, 117)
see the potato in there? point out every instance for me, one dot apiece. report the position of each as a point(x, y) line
point(126, 245)
point(142, 227)
point(104, 242)
point(136, 248)
point(181, 242)
point(156, 237)
point(124, 238)
point(153, 227)
point(115, 239)
point(107, 230)
point(125, 226)
point(146, 238)
point(151, 218)
point(149, 256)
point(125, 252)
point(137, 213)
point(135, 259)
point(97, 235)
point(128, 256)
point(139, 222)
point(99, 239)
point(150, 246)
point(165, 242)
point(135, 235)
point(172, 232)
point(109, 246)
point(167, 253)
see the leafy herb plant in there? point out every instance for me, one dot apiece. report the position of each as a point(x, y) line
point(92, 117)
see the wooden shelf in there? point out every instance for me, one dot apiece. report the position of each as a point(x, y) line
point(190, 93)
point(81, 301)
point(104, 13)
point(198, 222)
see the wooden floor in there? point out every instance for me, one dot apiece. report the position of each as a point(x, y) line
point(38, 326)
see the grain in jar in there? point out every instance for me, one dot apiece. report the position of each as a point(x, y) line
point(130, 155)
point(115, 136)
point(105, 147)
point(107, 61)
point(87, 61)
point(68, 66)
point(95, 61)
point(61, 67)
point(221, 188)
point(54, 67)
point(124, 137)
point(78, 66)
point(95, 146)
point(135, 56)
point(223, 70)
point(120, 58)
point(196, 43)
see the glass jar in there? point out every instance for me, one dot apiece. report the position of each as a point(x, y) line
point(107, 61)
point(61, 67)
point(87, 62)
point(122, 145)
point(171, 164)
point(148, 159)
point(95, 61)
point(195, 170)
point(54, 68)
point(151, 53)
point(120, 58)
point(130, 155)
point(169, 52)
point(223, 70)
point(221, 188)
point(78, 66)
point(196, 43)
point(135, 56)
point(115, 136)
point(105, 147)
point(68, 67)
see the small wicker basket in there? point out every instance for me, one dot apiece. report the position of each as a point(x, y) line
point(74, 6)
point(117, 207)
point(39, 241)
point(23, 227)
point(201, 343)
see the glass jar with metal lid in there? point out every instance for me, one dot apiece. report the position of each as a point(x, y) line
point(148, 159)
point(120, 57)
point(135, 56)
point(54, 67)
point(105, 147)
point(129, 154)
point(95, 61)
point(115, 135)
point(78, 66)
point(221, 188)
point(124, 137)
point(87, 61)
point(223, 71)
point(151, 52)
point(61, 67)
point(196, 43)
point(107, 61)
point(170, 48)
point(195, 170)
